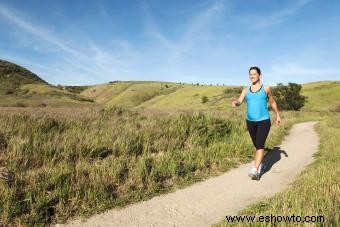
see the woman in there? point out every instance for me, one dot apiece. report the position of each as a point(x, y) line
point(258, 118)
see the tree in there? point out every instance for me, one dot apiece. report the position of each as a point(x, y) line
point(289, 97)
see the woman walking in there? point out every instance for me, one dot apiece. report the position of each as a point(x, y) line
point(258, 118)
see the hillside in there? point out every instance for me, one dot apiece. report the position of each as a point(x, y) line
point(12, 76)
point(20, 87)
point(322, 96)
point(161, 95)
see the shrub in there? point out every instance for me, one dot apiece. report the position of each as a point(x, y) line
point(234, 90)
point(289, 97)
point(204, 99)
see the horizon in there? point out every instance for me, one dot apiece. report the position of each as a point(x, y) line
point(205, 42)
point(159, 81)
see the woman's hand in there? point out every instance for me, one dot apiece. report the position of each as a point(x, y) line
point(235, 103)
point(278, 120)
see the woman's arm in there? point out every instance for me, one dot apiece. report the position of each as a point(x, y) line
point(273, 104)
point(238, 102)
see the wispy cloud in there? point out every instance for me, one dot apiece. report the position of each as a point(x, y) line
point(95, 62)
point(266, 19)
point(197, 30)
point(199, 34)
point(40, 32)
point(152, 29)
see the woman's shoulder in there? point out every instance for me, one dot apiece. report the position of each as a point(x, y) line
point(266, 88)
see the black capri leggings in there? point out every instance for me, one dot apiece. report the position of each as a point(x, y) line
point(258, 131)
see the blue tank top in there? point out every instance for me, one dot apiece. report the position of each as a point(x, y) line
point(257, 105)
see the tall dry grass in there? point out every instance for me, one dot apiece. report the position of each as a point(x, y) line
point(76, 162)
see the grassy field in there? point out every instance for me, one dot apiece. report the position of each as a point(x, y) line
point(65, 165)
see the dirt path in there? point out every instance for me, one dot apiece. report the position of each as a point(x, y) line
point(208, 202)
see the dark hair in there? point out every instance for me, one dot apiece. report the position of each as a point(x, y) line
point(256, 68)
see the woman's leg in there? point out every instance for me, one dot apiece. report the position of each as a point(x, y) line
point(254, 156)
point(252, 129)
point(261, 136)
point(258, 157)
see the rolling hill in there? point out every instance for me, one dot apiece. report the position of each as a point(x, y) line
point(20, 87)
point(161, 95)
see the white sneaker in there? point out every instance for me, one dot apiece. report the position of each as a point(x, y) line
point(253, 172)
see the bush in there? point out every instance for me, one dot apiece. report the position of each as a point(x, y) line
point(204, 99)
point(233, 91)
point(289, 97)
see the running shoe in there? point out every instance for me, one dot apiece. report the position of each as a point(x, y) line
point(253, 172)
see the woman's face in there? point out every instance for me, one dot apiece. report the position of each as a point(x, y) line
point(253, 75)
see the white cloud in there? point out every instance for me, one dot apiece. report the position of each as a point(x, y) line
point(95, 61)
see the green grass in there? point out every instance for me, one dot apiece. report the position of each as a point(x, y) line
point(322, 96)
point(139, 93)
point(103, 93)
point(42, 95)
point(190, 97)
point(129, 93)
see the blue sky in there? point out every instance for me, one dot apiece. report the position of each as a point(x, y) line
point(80, 42)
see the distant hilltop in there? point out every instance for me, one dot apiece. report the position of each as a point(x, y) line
point(14, 75)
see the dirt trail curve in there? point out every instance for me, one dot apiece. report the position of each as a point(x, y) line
point(208, 202)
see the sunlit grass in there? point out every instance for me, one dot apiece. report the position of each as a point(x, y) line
point(70, 162)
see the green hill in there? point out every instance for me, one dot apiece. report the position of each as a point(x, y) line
point(20, 87)
point(129, 93)
point(160, 95)
point(322, 96)
point(12, 76)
